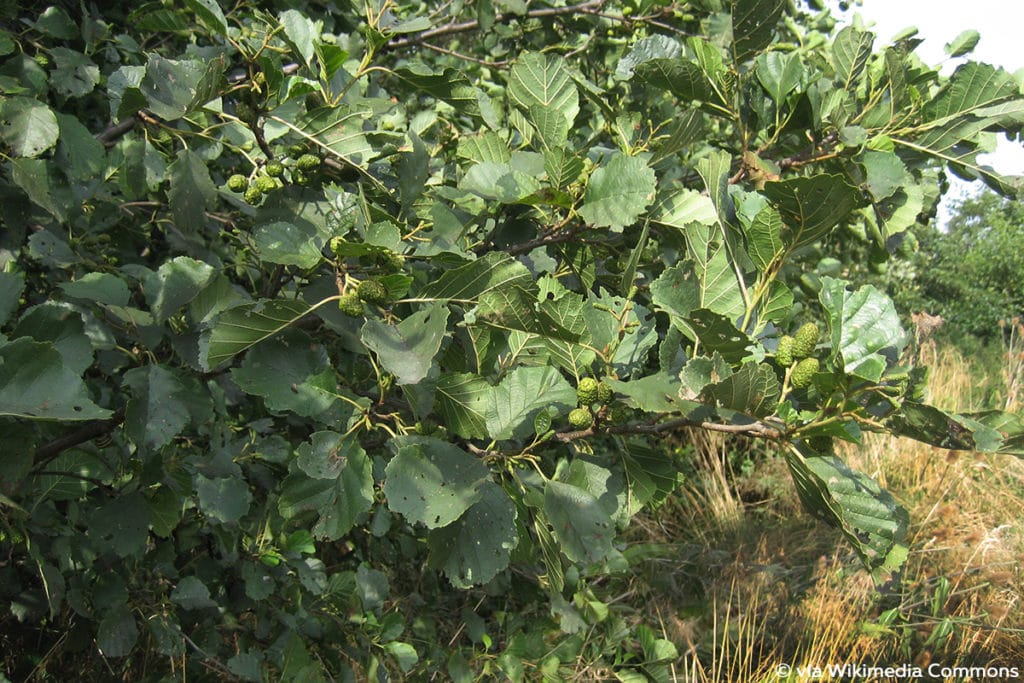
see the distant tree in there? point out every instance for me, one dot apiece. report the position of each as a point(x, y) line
point(972, 273)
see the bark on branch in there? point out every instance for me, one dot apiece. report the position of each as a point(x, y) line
point(590, 7)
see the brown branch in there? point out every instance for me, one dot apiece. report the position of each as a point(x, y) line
point(530, 245)
point(817, 152)
point(758, 429)
point(111, 134)
point(461, 27)
point(50, 450)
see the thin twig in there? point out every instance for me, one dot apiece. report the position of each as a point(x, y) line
point(758, 429)
point(50, 450)
point(111, 134)
point(474, 24)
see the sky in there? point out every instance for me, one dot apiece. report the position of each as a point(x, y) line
point(999, 22)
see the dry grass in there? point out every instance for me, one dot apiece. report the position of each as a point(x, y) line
point(752, 586)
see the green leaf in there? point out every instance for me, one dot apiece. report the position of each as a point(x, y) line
point(340, 131)
point(963, 44)
point(407, 349)
point(569, 312)
point(579, 522)
point(494, 270)
point(449, 85)
point(650, 475)
point(79, 152)
point(210, 13)
point(850, 52)
point(121, 525)
point(866, 333)
point(539, 80)
point(432, 482)
point(192, 593)
point(291, 374)
point(973, 86)
point(485, 146)
point(173, 88)
point(753, 26)
point(551, 126)
point(646, 49)
point(676, 292)
point(247, 666)
point(165, 20)
point(500, 182)
point(300, 33)
point(811, 206)
point(753, 390)
point(103, 288)
point(28, 126)
point(242, 327)
point(714, 170)
point(404, 653)
point(684, 207)
point(55, 22)
point(11, 286)
point(779, 73)
point(340, 503)
point(618, 192)
point(718, 286)
point(764, 238)
point(718, 333)
point(158, 409)
point(29, 371)
point(525, 391)
point(165, 509)
point(61, 325)
point(562, 166)
point(685, 79)
point(117, 633)
point(326, 454)
point(225, 499)
point(515, 308)
point(175, 284)
point(44, 185)
point(930, 425)
point(75, 74)
point(461, 401)
point(868, 516)
point(473, 549)
point(192, 191)
point(290, 244)
point(885, 173)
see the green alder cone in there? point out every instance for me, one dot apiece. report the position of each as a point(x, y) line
point(391, 261)
point(804, 341)
point(580, 418)
point(238, 183)
point(245, 112)
point(804, 372)
point(372, 292)
point(275, 169)
point(587, 391)
point(784, 354)
point(619, 413)
point(604, 394)
point(308, 162)
point(351, 305)
point(253, 194)
point(266, 184)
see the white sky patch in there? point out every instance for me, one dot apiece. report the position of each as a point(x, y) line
point(940, 21)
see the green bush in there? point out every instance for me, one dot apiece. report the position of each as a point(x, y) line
point(214, 455)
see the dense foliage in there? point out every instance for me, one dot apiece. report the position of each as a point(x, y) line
point(309, 308)
point(969, 273)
